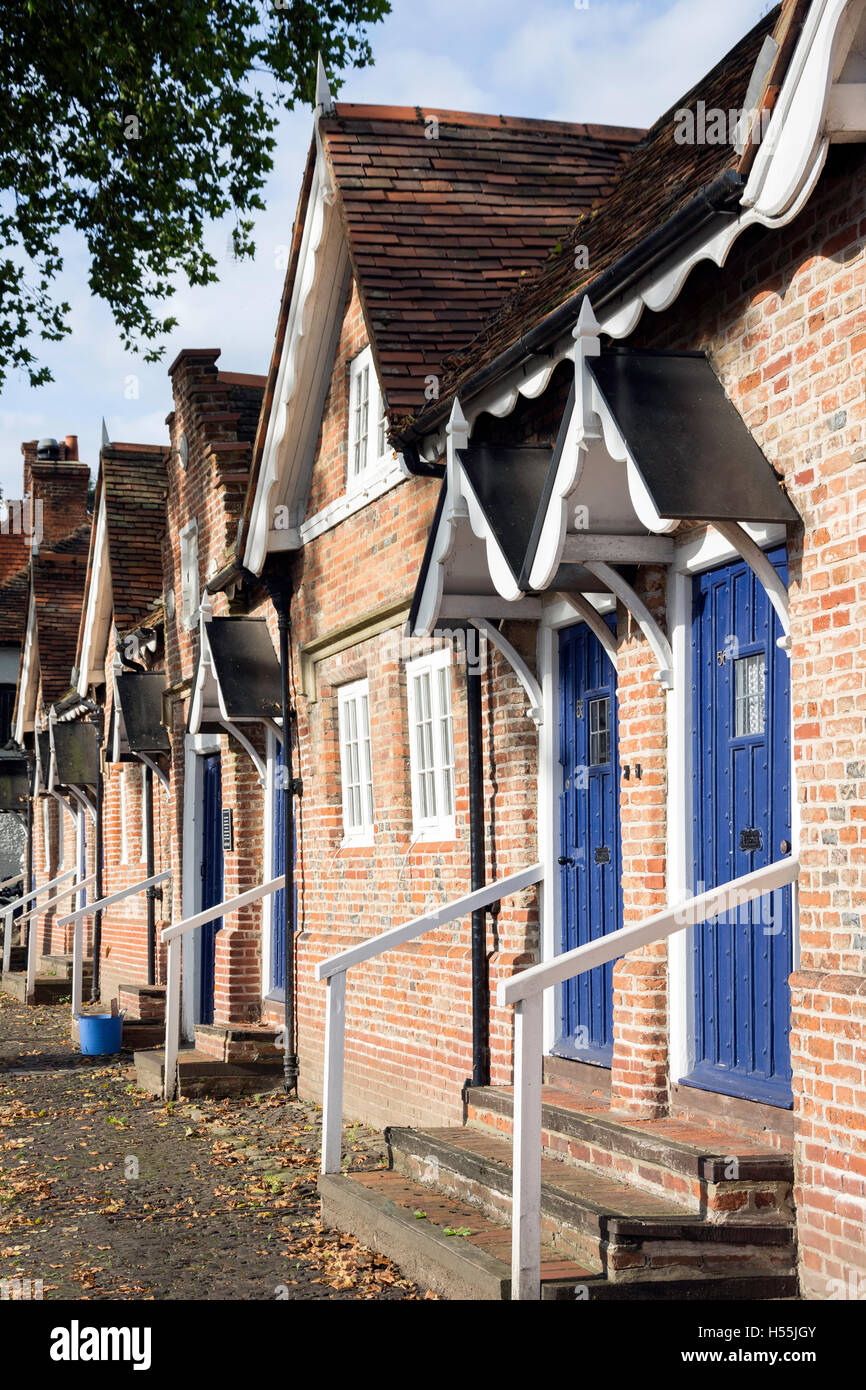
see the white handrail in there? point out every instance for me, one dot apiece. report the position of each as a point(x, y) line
point(43, 888)
point(526, 990)
point(86, 910)
point(33, 930)
point(333, 972)
point(101, 903)
point(8, 882)
point(173, 936)
point(42, 908)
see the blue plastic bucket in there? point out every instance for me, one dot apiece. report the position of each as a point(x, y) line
point(99, 1034)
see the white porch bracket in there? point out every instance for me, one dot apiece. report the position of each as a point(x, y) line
point(765, 572)
point(593, 619)
point(156, 770)
point(84, 800)
point(642, 616)
point(172, 936)
point(234, 732)
point(518, 666)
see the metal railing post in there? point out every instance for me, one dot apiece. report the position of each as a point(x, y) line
point(172, 1017)
point(332, 1095)
point(526, 1190)
point(7, 939)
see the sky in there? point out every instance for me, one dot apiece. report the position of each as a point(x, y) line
point(622, 62)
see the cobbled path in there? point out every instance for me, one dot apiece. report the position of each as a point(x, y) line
point(107, 1194)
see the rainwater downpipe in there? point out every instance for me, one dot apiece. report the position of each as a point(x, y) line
point(480, 980)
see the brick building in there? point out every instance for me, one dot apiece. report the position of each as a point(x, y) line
point(554, 496)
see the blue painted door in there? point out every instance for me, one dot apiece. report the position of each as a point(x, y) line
point(742, 765)
point(590, 854)
point(211, 878)
point(278, 858)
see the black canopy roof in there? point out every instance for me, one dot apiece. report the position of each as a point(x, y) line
point(246, 667)
point(76, 754)
point(14, 781)
point(508, 482)
point(139, 695)
point(690, 444)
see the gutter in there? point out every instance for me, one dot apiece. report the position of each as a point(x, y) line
point(719, 198)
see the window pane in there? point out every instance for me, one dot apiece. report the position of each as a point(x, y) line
point(446, 736)
point(424, 746)
point(750, 675)
point(599, 732)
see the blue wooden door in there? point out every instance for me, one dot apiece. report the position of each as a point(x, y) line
point(590, 854)
point(211, 878)
point(278, 859)
point(742, 767)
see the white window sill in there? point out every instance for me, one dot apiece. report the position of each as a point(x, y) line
point(361, 841)
point(429, 834)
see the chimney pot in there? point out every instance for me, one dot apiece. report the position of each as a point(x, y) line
point(71, 442)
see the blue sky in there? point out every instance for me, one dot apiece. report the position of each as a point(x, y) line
point(615, 61)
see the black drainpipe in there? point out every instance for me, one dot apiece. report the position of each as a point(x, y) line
point(32, 769)
point(150, 893)
point(480, 982)
point(98, 721)
point(280, 592)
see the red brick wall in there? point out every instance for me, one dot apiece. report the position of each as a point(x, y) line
point(785, 325)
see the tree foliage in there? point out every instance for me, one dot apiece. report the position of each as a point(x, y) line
point(136, 124)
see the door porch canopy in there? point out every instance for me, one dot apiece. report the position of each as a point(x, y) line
point(649, 439)
point(14, 781)
point(237, 682)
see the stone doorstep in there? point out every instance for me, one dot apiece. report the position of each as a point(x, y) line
point(237, 1042)
point(379, 1210)
point(589, 1215)
point(144, 1003)
point(60, 966)
point(48, 988)
point(727, 1176)
point(200, 1075)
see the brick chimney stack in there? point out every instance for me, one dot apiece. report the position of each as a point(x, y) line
point(60, 482)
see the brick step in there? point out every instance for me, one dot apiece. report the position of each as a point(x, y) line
point(237, 1042)
point(380, 1209)
point(144, 1003)
point(728, 1176)
point(18, 958)
point(590, 1216)
point(48, 988)
point(59, 967)
point(200, 1075)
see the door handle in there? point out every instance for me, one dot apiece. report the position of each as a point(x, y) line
point(785, 846)
point(565, 859)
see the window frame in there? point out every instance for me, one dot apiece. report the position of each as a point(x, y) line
point(375, 463)
point(442, 824)
point(190, 577)
point(353, 694)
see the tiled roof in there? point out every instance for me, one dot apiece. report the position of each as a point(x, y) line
point(660, 179)
point(440, 229)
point(58, 591)
point(133, 477)
point(13, 607)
